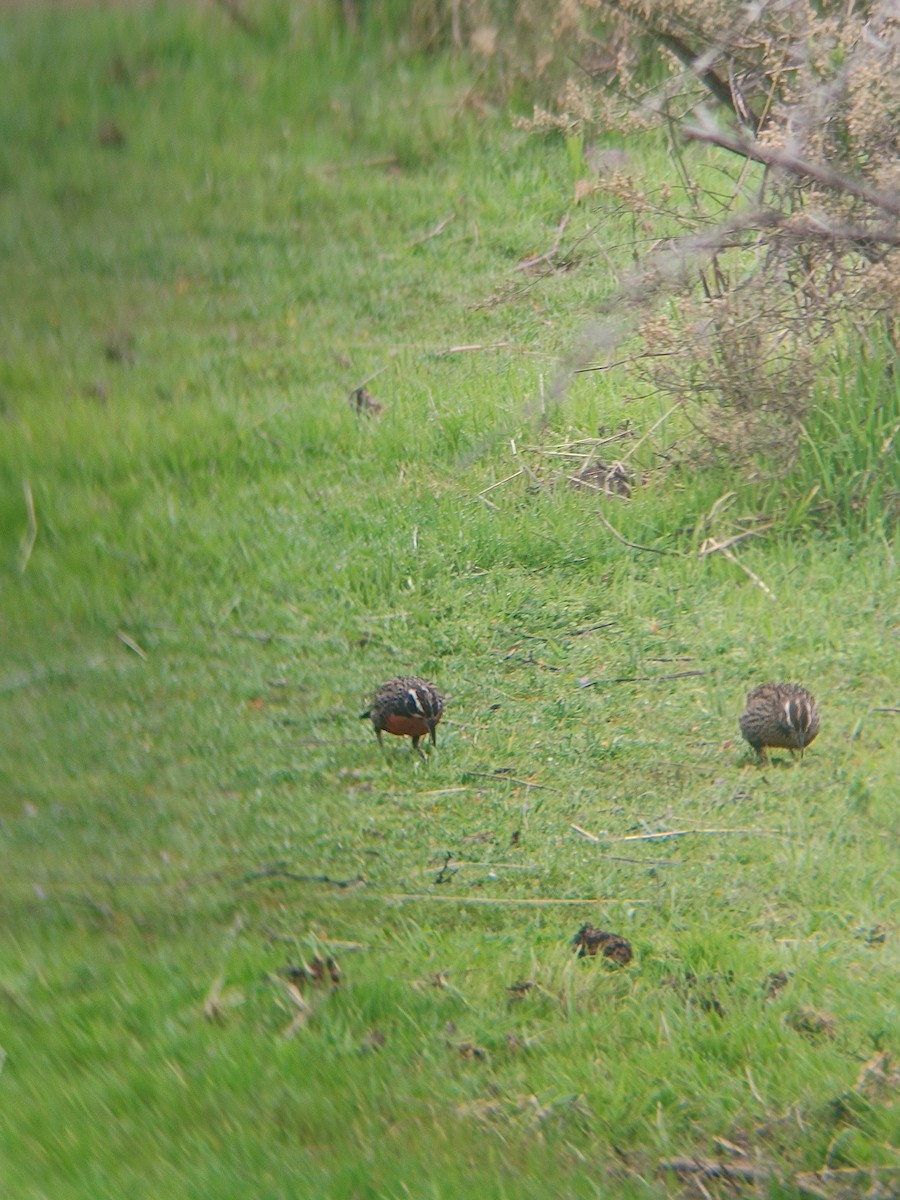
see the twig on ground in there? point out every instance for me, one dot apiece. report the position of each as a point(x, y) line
point(451, 865)
point(565, 448)
point(713, 1169)
point(433, 233)
point(754, 1090)
point(510, 901)
point(447, 871)
point(650, 862)
point(653, 428)
point(711, 546)
point(30, 535)
point(212, 1008)
point(499, 483)
point(535, 260)
point(760, 583)
point(508, 779)
point(584, 459)
point(472, 347)
point(279, 872)
point(643, 678)
point(632, 545)
point(129, 641)
point(854, 1181)
point(625, 362)
point(525, 467)
point(498, 866)
point(304, 1010)
point(444, 791)
point(591, 837)
point(489, 503)
point(673, 833)
point(887, 708)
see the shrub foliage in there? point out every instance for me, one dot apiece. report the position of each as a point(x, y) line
point(774, 278)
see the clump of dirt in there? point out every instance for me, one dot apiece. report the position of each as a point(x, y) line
point(774, 982)
point(812, 1022)
point(879, 1079)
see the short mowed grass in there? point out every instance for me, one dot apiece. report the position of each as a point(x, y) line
point(208, 236)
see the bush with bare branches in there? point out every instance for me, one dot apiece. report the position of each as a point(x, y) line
point(769, 286)
point(779, 280)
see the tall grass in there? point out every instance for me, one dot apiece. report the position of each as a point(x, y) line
point(848, 465)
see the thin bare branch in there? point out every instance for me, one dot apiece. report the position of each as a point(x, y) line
point(771, 156)
point(472, 348)
point(715, 1170)
point(642, 678)
point(650, 862)
point(760, 583)
point(447, 791)
point(434, 232)
point(510, 901)
point(632, 545)
point(527, 264)
point(653, 428)
point(31, 530)
point(279, 872)
point(541, 787)
point(132, 645)
point(711, 546)
point(500, 482)
point(489, 503)
point(673, 833)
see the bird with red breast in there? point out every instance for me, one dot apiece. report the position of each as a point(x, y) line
point(406, 706)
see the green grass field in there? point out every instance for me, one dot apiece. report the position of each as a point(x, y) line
point(207, 239)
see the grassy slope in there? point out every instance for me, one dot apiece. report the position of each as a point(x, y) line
point(212, 487)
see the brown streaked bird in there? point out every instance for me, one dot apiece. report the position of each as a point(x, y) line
point(782, 715)
point(406, 707)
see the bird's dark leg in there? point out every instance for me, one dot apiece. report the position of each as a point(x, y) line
point(418, 749)
point(432, 729)
point(380, 739)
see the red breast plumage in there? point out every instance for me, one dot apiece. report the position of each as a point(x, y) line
point(406, 706)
